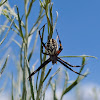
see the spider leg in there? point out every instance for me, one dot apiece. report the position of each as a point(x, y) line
point(41, 36)
point(68, 63)
point(41, 66)
point(68, 67)
point(61, 47)
point(44, 52)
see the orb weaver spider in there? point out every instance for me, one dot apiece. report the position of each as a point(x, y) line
point(52, 50)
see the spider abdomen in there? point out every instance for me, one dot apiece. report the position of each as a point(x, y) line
point(52, 47)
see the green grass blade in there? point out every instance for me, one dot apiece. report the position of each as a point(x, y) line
point(4, 86)
point(83, 63)
point(47, 74)
point(19, 21)
point(30, 7)
point(6, 12)
point(53, 86)
point(2, 70)
point(66, 80)
point(50, 81)
point(43, 69)
point(50, 31)
point(78, 56)
point(79, 78)
point(36, 27)
point(17, 42)
point(7, 32)
point(5, 26)
point(55, 21)
point(41, 47)
point(1, 3)
point(31, 85)
point(38, 21)
point(69, 88)
point(30, 55)
point(37, 81)
point(21, 57)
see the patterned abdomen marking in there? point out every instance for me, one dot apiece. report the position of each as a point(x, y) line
point(52, 47)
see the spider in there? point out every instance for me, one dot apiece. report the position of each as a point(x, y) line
point(52, 50)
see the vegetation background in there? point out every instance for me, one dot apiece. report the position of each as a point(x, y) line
point(20, 49)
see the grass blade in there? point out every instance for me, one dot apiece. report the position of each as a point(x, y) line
point(78, 56)
point(79, 78)
point(66, 80)
point(30, 7)
point(38, 21)
point(3, 2)
point(31, 85)
point(55, 21)
point(53, 86)
point(47, 74)
point(30, 55)
point(19, 21)
point(17, 42)
point(50, 81)
point(7, 32)
point(2, 70)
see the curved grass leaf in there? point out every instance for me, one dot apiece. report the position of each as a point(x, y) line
point(66, 80)
point(17, 42)
point(78, 56)
point(30, 7)
point(55, 21)
point(79, 78)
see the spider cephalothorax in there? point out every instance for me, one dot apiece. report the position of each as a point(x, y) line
point(53, 51)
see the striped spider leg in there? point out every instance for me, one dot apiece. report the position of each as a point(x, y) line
point(67, 65)
point(41, 66)
point(52, 50)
